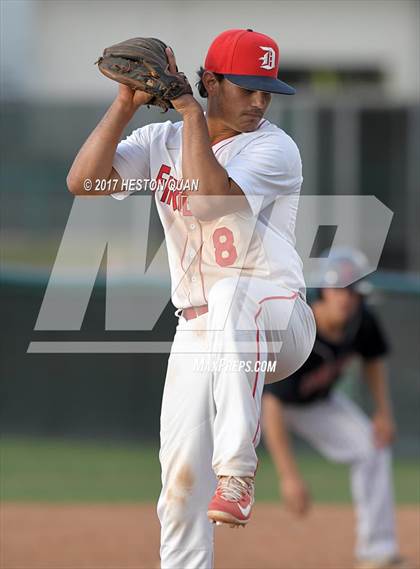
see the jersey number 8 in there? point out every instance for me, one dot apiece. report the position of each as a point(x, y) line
point(224, 249)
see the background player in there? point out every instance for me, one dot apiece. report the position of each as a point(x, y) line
point(236, 278)
point(307, 404)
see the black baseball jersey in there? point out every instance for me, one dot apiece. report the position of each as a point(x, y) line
point(322, 370)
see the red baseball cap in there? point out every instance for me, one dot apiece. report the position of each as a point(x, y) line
point(248, 59)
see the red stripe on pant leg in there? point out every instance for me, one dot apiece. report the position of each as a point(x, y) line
point(256, 432)
point(257, 339)
point(258, 357)
point(292, 297)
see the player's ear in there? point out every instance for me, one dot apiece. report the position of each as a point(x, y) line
point(210, 82)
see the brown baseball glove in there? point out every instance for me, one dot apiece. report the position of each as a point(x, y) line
point(141, 63)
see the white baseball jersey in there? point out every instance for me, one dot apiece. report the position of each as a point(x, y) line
point(266, 165)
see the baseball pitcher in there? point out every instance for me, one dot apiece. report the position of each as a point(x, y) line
point(236, 278)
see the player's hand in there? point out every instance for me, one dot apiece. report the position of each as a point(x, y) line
point(383, 429)
point(296, 495)
point(131, 99)
point(186, 102)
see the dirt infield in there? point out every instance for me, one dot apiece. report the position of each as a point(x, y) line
point(116, 536)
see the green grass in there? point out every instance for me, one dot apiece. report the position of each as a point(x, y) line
point(49, 470)
point(75, 471)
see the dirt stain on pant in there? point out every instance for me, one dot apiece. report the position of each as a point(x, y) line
point(179, 490)
point(182, 485)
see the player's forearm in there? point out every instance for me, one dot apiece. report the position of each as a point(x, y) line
point(377, 380)
point(276, 438)
point(94, 160)
point(198, 160)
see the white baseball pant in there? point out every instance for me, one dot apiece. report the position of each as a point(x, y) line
point(341, 432)
point(210, 419)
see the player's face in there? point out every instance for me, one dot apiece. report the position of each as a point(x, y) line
point(240, 109)
point(341, 303)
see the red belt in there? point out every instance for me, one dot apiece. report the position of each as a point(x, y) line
point(194, 311)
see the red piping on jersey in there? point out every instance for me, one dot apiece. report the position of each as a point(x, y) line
point(223, 145)
point(199, 264)
point(201, 273)
point(183, 253)
point(233, 137)
point(257, 339)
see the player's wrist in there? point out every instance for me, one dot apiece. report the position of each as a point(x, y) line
point(186, 105)
point(125, 109)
